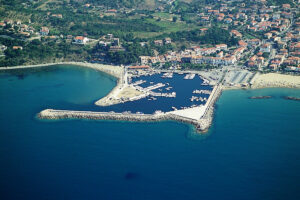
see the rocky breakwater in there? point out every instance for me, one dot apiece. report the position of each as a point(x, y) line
point(69, 114)
point(206, 120)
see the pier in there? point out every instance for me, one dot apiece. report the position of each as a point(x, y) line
point(189, 76)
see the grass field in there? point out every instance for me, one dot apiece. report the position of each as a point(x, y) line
point(162, 15)
point(167, 26)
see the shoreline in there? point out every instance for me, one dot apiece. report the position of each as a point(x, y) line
point(100, 67)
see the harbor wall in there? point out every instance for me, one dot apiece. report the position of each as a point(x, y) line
point(206, 120)
point(70, 114)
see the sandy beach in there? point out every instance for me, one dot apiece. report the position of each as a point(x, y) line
point(116, 71)
point(275, 80)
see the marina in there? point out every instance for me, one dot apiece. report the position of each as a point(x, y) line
point(164, 93)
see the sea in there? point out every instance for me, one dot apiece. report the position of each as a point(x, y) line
point(252, 150)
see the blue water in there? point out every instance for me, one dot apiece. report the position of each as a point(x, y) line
point(252, 150)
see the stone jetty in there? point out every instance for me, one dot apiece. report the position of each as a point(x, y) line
point(71, 114)
point(207, 118)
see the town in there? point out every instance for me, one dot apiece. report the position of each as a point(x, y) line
point(260, 36)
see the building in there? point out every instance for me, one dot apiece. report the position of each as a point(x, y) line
point(3, 47)
point(44, 31)
point(221, 47)
point(158, 42)
point(144, 60)
point(167, 40)
point(17, 47)
point(265, 48)
point(235, 33)
point(139, 67)
point(80, 40)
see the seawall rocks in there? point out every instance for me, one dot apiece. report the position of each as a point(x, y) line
point(69, 114)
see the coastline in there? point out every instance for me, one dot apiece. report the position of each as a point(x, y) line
point(116, 72)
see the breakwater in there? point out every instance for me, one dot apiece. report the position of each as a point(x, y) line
point(206, 120)
point(71, 114)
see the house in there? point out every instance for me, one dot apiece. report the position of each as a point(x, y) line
point(17, 47)
point(220, 54)
point(260, 60)
point(80, 40)
point(57, 16)
point(276, 16)
point(297, 46)
point(44, 31)
point(286, 6)
point(221, 46)
point(203, 30)
point(265, 48)
point(3, 47)
point(213, 60)
point(268, 35)
point(287, 15)
point(238, 52)
point(235, 33)
point(228, 20)
point(168, 40)
point(254, 42)
point(281, 44)
point(242, 43)
point(144, 60)
point(158, 42)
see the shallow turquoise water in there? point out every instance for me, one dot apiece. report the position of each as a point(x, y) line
point(251, 152)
